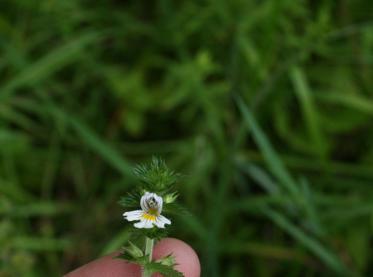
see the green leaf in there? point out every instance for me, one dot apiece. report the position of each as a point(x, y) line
point(154, 233)
point(170, 197)
point(169, 260)
point(134, 254)
point(131, 200)
point(156, 176)
point(133, 250)
point(136, 260)
point(155, 267)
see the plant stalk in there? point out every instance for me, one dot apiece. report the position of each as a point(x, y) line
point(149, 243)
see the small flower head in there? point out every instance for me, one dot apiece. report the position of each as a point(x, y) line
point(150, 213)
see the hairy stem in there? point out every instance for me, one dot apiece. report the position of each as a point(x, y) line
point(149, 243)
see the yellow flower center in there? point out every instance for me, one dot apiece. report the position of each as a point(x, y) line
point(148, 216)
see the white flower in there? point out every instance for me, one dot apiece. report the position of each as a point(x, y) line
point(150, 213)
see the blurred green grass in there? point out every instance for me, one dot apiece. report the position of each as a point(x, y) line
point(266, 106)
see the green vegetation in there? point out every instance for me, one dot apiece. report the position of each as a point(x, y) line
point(265, 106)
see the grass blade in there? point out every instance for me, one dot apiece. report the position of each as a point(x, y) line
point(97, 144)
point(304, 95)
point(272, 159)
point(324, 254)
point(49, 64)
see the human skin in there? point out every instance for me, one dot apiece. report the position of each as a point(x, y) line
point(186, 259)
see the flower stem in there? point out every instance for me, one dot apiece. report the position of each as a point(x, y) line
point(149, 243)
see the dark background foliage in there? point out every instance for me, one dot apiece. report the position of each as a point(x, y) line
point(265, 106)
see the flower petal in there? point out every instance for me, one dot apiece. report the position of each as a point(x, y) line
point(143, 203)
point(159, 201)
point(133, 215)
point(161, 221)
point(147, 224)
point(151, 200)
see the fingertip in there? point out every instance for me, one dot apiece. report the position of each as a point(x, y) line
point(186, 258)
point(107, 266)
